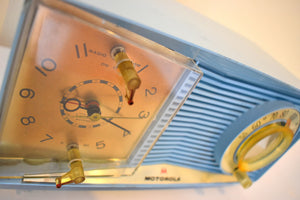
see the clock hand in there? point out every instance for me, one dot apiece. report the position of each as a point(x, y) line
point(75, 103)
point(71, 104)
point(94, 113)
point(106, 118)
point(126, 132)
point(107, 107)
point(97, 116)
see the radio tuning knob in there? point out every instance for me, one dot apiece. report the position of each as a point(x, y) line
point(76, 173)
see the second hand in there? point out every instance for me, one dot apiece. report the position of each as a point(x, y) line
point(105, 117)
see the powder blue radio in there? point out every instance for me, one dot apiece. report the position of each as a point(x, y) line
point(94, 99)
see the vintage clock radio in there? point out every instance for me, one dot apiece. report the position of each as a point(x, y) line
point(91, 99)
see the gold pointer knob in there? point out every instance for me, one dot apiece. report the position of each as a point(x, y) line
point(76, 173)
point(282, 138)
point(243, 178)
point(130, 76)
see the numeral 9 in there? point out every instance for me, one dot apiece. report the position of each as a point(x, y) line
point(27, 93)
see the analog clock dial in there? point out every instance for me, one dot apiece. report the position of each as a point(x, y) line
point(68, 89)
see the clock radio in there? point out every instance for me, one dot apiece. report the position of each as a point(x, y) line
point(92, 99)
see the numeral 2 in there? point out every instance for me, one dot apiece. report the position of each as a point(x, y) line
point(151, 91)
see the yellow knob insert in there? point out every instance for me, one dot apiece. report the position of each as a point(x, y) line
point(130, 76)
point(282, 138)
point(95, 117)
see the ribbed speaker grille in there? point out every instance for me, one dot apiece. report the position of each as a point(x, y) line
point(214, 104)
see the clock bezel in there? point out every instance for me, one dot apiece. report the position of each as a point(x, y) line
point(184, 87)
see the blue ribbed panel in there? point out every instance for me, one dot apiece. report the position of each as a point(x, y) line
point(214, 104)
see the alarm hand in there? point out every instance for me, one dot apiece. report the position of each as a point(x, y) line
point(73, 104)
point(92, 107)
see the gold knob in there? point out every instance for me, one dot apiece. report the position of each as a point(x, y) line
point(276, 148)
point(243, 178)
point(76, 173)
point(282, 138)
point(130, 76)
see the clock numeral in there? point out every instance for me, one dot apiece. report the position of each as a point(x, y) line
point(143, 69)
point(27, 93)
point(47, 65)
point(143, 114)
point(274, 115)
point(285, 113)
point(293, 117)
point(49, 137)
point(27, 120)
point(256, 125)
point(100, 144)
point(151, 91)
point(84, 48)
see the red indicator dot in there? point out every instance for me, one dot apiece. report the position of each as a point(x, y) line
point(163, 170)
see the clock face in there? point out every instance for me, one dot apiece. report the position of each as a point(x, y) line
point(69, 90)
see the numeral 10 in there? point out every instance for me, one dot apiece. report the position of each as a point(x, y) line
point(47, 65)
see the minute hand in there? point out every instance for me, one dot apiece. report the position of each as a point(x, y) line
point(126, 132)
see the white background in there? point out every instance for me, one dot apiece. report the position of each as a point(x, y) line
point(272, 25)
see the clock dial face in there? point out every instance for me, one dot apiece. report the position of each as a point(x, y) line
point(68, 90)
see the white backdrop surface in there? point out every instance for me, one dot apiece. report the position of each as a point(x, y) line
point(282, 180)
